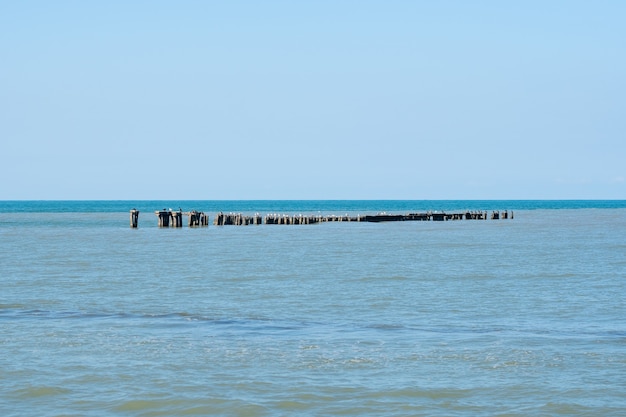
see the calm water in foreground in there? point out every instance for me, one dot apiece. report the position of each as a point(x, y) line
point(461, 318)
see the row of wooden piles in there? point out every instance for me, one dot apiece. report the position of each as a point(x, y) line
point(239, 219)
point(441, 216)
point(169, 218)
point(236, 219)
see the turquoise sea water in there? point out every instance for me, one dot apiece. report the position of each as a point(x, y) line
point(461, 318)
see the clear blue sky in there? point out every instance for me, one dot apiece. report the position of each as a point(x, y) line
point(313, 100)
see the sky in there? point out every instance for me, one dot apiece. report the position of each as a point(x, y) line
point(246, 100)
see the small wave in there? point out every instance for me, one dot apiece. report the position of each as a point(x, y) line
point(11, 306)
point(170, 319)
point(40, 391)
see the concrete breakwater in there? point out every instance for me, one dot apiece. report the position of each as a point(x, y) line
point(170, 218)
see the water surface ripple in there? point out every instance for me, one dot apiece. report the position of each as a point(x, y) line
point(462, 318)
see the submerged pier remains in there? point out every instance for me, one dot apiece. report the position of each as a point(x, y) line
point(198, 219)
point(239, 219)
point(170, 218)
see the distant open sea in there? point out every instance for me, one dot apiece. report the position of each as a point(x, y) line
point(522, 317)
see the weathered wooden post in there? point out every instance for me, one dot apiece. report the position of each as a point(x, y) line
point(177, 219)
point(164, 217)
point(197, 219)
point(193, 220)
point(134, 218)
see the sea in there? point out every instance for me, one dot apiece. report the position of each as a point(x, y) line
point(517, 317)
